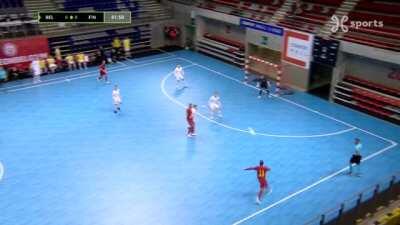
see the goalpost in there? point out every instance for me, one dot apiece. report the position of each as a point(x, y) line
point(272, 66)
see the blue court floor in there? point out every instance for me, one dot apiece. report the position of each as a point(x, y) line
point(69, 160)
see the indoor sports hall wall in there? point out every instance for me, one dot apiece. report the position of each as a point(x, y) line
point(182, 16)
point(298, 77)
point(273, 42)
point(371, 69)
point(351, 58)
point(158, 39)
point(224, 29)
point(205, 18)
point(214, 22)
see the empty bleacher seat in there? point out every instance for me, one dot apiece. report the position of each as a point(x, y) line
point(17, 25)
point(257, 10)
point(220, 47)
point(373, 86)
point(369, 97)
point(6, 4)
point(369, 39)
point(311, 15)
point(387, 36)
point(384, 7)
point(226, 41)
point(99, 5)
point(89, 42)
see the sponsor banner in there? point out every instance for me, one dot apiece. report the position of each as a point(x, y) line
point(22, 51)
point(297, 48)
point(261, 27)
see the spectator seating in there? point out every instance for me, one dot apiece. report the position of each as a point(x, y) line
point(232, 3)
point(186, 2)
point(222, 48)
point(73, 38)
point(374, 86)
point(17, 25)
point(100, 5)
point(143, 11)
point(370, 97)
point(89, 42)
point(15, 21)
point(10, 4)
point(261, 8)
point(388, 36)
point(311, 16)
point(139, 8)
point(257, 10)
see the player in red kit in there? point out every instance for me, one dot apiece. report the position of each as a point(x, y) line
point(261, 175)
point(103, 72)
point(190, 111)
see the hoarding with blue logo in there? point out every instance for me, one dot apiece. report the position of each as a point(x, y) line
point(261, 27)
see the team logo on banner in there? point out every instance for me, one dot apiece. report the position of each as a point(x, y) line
point(298, 48)
point(9, 49)
point(21, 51)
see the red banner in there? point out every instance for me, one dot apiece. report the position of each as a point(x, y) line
point(20, 52)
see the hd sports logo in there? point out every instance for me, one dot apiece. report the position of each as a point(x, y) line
point(343, 24)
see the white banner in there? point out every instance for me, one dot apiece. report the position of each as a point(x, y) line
point(298, 48)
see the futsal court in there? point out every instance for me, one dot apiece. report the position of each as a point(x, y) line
point(67, 159)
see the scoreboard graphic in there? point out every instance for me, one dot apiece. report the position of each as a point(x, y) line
point(118, 17)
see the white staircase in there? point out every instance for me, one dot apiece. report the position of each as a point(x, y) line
point(344, 9)
point(282, 12)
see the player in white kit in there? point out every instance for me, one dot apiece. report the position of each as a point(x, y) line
point(35, 67)
point(116, 96)
point(214, 103)
point(179, 76)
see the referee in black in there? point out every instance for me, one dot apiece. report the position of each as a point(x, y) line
point(356, 158)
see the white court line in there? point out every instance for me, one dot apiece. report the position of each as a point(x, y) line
point(256, 88)
point(120, 62)
point(132, 60)
point(54, 79)
point(248, 131)
point(292, 102)
point(90, 74)
point(74, 75)
point(252, 131)
point(1, 171)
point(146, 60)
point(392, 145)
point(340, 121)
point(167, 53)
point(170, 55)
point(311, 186)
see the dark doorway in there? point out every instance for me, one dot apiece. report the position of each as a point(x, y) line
point(320, 80)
